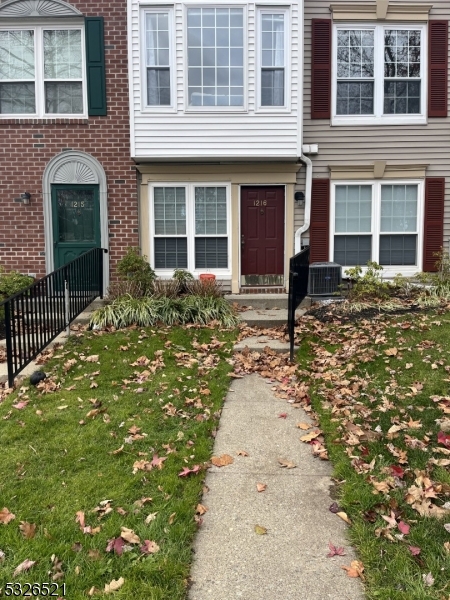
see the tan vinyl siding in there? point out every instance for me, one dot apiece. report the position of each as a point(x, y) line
point(345, 145)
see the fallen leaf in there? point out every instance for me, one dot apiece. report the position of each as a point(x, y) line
point(28, 529)
point(403, 528)
point(24, 566)
point(242, 453)
point(415, 550)
point(335, 551)
point(115, 545)
point(260, 530)
point(428, 579)
point(201, 509)
point(149, 518)
point(391, 352)
point(282, 416)
point(344, 517)
point(355, 569)
point(2, 556)
point(334, 508)
point(149, 547)
point(261, 487)
point(222, 461)
point(304, 426)
point(6, 516)
point(310, 436)
point(20, 405)
point(286, 463)
point(397, 471)
point(444, 438)
point(129, 536)
point(92, 358)
point(114, 585)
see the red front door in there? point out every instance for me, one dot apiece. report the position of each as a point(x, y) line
point(262, 235)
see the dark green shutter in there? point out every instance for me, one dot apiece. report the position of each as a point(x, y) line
point(95, 66)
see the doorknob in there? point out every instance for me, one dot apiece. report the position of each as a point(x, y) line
point(242, 240)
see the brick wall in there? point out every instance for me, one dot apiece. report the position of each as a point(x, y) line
point(26, 147)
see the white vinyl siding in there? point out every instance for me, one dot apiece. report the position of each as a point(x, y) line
point(190, 227)
point(377, 222)
point(379, 74)
point(215, 132)
point(42, 72)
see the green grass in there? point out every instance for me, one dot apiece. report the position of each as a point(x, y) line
point(57, 460)
point(359, 384)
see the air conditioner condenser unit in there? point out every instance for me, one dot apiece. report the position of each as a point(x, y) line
point(324, 278)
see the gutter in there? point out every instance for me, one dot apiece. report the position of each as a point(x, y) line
point(307, 217)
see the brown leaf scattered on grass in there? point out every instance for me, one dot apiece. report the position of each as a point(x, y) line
point(201, 509)
point(149, 547)
point(28, 529)
point(6, 516)
point(24, 566)
point(344, 517)
point(114, 585)
point(129, 536)
point(222, 461)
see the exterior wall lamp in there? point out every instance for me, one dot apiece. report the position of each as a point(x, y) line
point(299, 198)
point(25, 197)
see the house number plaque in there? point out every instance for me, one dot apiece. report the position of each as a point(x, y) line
point(259, 202)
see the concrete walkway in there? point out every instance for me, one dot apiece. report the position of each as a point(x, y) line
point(231, 560)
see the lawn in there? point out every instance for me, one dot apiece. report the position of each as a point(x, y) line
point(103, 463)
point(380, 389)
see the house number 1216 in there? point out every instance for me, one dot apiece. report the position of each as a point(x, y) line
point(259, 202)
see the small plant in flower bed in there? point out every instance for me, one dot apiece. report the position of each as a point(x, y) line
point(11, 282)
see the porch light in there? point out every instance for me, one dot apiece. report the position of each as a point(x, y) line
point(299, 197)
point(25, 197)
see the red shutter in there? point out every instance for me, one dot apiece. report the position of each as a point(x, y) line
point(433, 221)
point(320, 221)
point(321, 69)
point(437, 68)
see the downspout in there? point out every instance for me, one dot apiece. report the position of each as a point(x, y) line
point(307, 217)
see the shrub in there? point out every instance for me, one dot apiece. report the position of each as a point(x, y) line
point(11, 283)
point(149, 311)
point(183, 278)
point(369, 285)
point(134, 268)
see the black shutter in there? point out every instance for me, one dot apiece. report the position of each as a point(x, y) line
point(321, 69)
point(95, 66)
point(437, 68)
point(320, 221)
point(433, 221)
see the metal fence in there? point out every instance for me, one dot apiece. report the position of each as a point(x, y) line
point(298, 289)
point(39, 313)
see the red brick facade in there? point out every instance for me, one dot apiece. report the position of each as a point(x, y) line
point(27, 146)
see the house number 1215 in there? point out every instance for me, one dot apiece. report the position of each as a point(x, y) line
point(259, 202)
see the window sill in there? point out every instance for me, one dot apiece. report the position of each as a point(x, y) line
point(219, 273)
point(356, 120)
point(10, 120)
point(390, 272)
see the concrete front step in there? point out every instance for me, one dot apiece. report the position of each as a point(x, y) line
point(268, 318)
point(257, 343)
point(264, 301)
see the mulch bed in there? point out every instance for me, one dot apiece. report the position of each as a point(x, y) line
point(327, 313)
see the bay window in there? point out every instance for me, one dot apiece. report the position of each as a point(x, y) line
point(190, 226)
point(42, 71)
point(378, 222)
point(379, 74)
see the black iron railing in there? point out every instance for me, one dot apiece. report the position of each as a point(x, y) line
point(39, 313)
point(298, 289)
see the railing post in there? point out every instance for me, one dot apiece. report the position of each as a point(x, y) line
point(67, 305)
point(101, 259)
point(9, 349)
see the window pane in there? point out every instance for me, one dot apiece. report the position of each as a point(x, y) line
point(352, 250)
point(398, 208)
point(63, 98)
point(398, 250)
point(169, 210)
point(17, 98)
point(401, 97)
point(158, 87)
point(211, 253)
point(215, 39)
point(401, 53)
point(272, 87)
point(170, 253)
point(353, 208)
point(210, 210)
point(355, 98)
point(355, 53)
point(62, 54)
point(158, 58)
point(76, 215)
point(16, 55)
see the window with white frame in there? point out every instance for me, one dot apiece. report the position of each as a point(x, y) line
point(157, 57)
point(190, 226)
point(273, 57)
point(215, 56)
point(42, 71)
point(379, 73)
point(378, 222)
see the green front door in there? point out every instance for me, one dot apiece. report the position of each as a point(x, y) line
point(76, 221)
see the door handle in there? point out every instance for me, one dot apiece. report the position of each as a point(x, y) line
point(242, 240)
